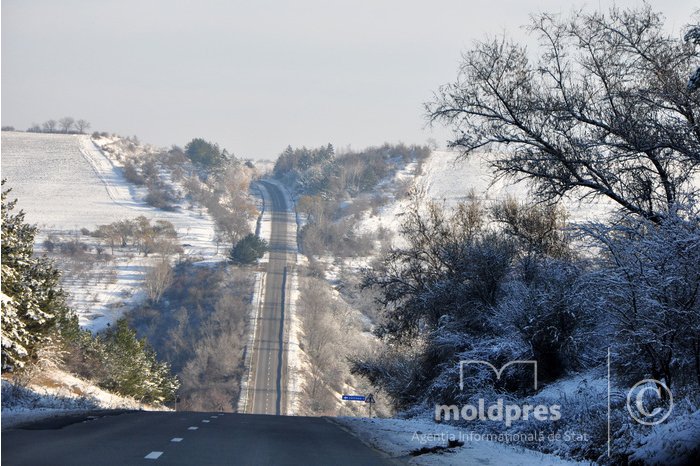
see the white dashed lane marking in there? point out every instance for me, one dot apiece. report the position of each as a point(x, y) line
point(154, 455)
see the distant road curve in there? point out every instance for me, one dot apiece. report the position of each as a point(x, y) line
point(267, 392)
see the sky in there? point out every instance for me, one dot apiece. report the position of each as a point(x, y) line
point(257, 75)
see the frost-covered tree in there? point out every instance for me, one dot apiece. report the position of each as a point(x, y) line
point(649, 284)
point(158, 277)
point(604, 112)
point(33, 304)
point(453, 265)
point(474, 283)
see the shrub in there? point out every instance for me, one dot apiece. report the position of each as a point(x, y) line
point(248, 250)
point(132, 175)
point(159, 197)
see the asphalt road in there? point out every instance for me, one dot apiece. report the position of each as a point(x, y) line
point(172, 438)
point(267, 392)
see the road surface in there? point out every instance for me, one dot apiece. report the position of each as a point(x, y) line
point(268, 377)
point(178, 438)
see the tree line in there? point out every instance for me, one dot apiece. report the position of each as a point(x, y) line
point(65, 125)
point(334, 190)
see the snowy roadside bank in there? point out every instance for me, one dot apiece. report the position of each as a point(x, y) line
point(401, 439)
point(56, 393)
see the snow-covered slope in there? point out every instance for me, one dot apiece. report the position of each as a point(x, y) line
point(447, 180)
point(403, 438)
point(64, 182)
point(57, 184)
point(53, 393)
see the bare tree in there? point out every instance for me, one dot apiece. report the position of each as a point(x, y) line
point(158, 278)
point(66, 123)
point(166, 247)
point(49, 126)
point(605, 112)
point(110, 235)
point(82, 125)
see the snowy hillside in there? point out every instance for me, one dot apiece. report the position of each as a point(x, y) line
point(65, 183)
point(446, 179)
point(57, 185)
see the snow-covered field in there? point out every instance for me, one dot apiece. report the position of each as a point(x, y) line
point(56, 185)
point(64, 183)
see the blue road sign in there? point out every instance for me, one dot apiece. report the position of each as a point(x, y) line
point(354, 397)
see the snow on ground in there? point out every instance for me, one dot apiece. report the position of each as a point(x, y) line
point(54, 393)
point(102, 295)
point(594, 379)
point(64, 183)
point(672, 443)
point(296, 366)
point(446, 179)
point(55, 183)
point(255, 308)
point(399, 437)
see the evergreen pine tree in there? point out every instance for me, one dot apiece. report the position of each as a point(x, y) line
point(33, 304)
point(248, 249)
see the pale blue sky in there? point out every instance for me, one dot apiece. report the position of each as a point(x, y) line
point(253, 76)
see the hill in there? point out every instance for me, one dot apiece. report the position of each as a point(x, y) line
point(65, 182)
